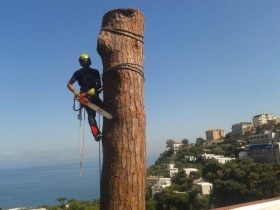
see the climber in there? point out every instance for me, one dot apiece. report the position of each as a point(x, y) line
point(90, 83)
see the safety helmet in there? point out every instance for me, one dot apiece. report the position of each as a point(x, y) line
point(84, 56)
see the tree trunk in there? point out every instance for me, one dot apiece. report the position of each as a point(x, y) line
point(120, 45)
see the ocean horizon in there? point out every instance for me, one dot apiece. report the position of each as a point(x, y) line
point(29, 185)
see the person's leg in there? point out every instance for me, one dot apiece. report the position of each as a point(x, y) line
point(93, 125)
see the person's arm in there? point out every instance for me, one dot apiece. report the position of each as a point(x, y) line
point(71, 87)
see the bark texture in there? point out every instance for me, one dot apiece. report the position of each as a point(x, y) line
point(120, 45)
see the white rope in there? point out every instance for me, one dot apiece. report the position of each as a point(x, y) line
point(81, 143)
point(100, 164)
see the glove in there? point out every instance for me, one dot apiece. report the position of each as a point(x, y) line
point(76, 93)
point(91, 91)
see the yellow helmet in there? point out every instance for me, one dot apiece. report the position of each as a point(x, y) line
point(84, 56)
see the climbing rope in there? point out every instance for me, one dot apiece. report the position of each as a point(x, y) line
point(130, 66)
point(100, 163)
point(81, 141)
point(124, 32)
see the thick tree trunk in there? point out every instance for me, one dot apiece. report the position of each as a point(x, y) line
point(120, 45)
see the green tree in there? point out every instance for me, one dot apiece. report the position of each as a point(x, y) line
point(61, 200)
point(199, 142)
point(151, 204)
point(169, 143)
point(185, 141)
point(96, 202)
point(74, 205)
point(228, 136)
point(201, 202)
point(259, 130)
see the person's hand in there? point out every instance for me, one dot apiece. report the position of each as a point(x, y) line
point(91, 91)
point(76, 93)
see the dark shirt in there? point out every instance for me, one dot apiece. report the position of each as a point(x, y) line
point(86, 78)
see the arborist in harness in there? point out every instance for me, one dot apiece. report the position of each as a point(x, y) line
point(90, 83)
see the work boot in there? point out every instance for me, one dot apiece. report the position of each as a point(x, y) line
point(98, 137)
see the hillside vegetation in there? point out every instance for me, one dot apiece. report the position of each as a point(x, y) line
point(233, 182)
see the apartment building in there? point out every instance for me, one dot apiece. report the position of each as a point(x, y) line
point(261, 119)
point(264, 148)
point(265, 153)
point(272, 123)
point(215, 134)
point(265, 138)
point(239, 129)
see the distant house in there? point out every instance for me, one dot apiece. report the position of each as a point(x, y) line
point(223, 160)
point(176, 146)
point(151, 180)
point(205, 187)
point(239, 129)
point(215, 134)
point(243, 155)
point(217, 158)
point(210, 156)
point(188, 170)
point(190, 158)
point(160, 185)
point(172, 170)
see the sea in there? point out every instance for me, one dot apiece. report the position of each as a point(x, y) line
point(29, 186)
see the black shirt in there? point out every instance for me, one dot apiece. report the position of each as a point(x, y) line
point(86, 78)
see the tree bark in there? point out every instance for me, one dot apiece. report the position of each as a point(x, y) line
point(120, 45)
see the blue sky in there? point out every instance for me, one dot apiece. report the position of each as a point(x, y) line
point(208, 64)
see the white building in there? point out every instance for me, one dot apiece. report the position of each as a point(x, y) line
point(160, 185)
point(170, 166)
point(223, 160)
point(205, 187)
point(152, 180)
point(163, 182)
point(188, 170)
point(261, 119)
point(218, 158)
point(176, 146)
point(172, 170)
point(210, 156)
point(243, 155)
point(190, 158)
